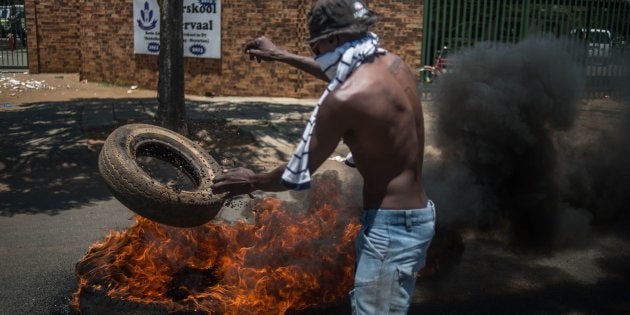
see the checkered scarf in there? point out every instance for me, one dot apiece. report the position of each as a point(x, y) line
point(350, 56)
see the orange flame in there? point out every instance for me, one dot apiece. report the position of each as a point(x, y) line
point(290, 259)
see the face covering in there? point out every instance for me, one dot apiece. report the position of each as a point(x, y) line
point(329, 62)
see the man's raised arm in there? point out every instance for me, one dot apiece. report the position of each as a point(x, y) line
point(262, 48)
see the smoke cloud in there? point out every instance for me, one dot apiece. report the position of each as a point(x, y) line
point(500, 107)
point(596, 168)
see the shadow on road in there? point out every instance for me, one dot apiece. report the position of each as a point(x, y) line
point(49, 155)
point(496, 281)
point(493, 280)
point(45, 163)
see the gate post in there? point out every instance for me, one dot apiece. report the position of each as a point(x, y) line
point(11, 42)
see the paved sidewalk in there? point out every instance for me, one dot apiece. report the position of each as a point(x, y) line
point(245, 112)
point(100, 115)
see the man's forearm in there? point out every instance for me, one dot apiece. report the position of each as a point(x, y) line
point(305, 64)
point(270, 181)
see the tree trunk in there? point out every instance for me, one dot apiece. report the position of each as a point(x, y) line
point(171, 112)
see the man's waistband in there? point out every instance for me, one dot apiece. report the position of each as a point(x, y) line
point(404, 217)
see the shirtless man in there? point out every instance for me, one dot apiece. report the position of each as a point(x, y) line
point(373, 106)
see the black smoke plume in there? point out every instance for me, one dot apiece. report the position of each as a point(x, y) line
point(499, 107)
point(596, 173)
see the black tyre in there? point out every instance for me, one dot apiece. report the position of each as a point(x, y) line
point(149, 197)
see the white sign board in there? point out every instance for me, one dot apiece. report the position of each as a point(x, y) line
point(202, 28)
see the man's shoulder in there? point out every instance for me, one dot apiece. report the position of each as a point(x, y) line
point(353, 92)
point(367, 80)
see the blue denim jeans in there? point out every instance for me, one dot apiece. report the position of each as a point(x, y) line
point(391, 248)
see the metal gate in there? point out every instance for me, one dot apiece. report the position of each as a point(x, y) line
point(13, 35)
point(602, 25)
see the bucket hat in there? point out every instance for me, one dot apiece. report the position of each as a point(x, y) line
point(334, 17)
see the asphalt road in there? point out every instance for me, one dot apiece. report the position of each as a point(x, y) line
point(53, 206)
point(39, 252)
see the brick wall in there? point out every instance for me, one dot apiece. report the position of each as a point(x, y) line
point(53, 35)
point(96, 40)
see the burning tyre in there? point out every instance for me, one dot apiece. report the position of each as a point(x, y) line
point(136, 188)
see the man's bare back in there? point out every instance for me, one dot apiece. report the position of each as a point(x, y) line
point(381, 114)
point(378, 114)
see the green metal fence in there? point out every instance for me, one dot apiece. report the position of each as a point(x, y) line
point(603, 25)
